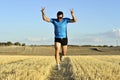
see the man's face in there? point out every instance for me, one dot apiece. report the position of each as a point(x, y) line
point(59, 17)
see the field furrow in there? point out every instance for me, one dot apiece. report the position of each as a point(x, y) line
point(9, 59)
point(92, 68)
point(66, 72)
point(112, 59)
point(34, 68)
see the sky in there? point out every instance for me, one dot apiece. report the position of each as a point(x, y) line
point(97, 21)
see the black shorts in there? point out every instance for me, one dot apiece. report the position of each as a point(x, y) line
point(63, 41)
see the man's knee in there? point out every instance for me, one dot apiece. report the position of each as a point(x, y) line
point(57, 48)
point(64, 51)
point(64, 54)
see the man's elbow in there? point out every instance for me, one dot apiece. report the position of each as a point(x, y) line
point(47, 20)
point(74, 20)
point(44, 19)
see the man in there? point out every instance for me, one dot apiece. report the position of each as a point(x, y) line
point(60, 31)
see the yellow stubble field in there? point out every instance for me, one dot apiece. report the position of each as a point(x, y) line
point(84, 67)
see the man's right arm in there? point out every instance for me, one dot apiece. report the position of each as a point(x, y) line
point(44, 17)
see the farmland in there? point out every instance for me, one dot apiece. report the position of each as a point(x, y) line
point(81, 63)
point(49, 50)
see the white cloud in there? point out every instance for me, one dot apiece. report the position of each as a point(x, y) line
point(98, 39)
point(103, 38)
point(93, 40)
point(37, 39)
point(115, 33)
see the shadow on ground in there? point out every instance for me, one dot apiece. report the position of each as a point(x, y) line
point(96, 49)
point(65, 73)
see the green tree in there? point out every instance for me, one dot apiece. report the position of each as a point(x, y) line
point(23, 44)
point(17, 44)
point(9, 43)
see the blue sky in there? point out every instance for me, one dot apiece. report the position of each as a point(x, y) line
point(97, 21)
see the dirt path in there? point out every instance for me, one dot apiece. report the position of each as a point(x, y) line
point(65, 73)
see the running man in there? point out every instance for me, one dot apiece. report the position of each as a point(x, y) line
point(60, 31)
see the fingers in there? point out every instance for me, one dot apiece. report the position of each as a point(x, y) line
point(72, 11)
point(43, 8)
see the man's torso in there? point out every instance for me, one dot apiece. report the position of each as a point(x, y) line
point(60, 27)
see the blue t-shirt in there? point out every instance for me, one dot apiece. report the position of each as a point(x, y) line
point(60, 28)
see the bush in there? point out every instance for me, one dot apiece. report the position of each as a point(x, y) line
point(9, 43)
point(17, 44)
point(23, 44)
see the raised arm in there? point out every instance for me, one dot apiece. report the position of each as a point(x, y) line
point(43, 15)
point(73, 16)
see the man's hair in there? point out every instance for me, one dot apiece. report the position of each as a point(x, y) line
point(59, 13)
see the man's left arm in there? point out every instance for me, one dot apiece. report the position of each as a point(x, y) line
point(73, 16)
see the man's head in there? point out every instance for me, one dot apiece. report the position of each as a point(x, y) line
point(59, 15)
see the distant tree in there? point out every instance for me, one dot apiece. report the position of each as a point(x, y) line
point(9, 43)
point(23, 44)
point(111, 46)
point(3, 44)
point(86, 45)
point(105, 45)
point(17, 44)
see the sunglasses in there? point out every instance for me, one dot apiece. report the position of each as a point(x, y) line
point(60, 17)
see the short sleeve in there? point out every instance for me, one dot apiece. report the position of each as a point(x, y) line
point(51, 20)
point(67, 19)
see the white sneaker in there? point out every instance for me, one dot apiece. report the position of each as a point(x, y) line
point(58, 67)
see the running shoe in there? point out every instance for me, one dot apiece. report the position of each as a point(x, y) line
point(58, 67)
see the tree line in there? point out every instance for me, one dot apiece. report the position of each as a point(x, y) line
point(9, 43)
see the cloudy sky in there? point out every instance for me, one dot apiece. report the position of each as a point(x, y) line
point(98, 21)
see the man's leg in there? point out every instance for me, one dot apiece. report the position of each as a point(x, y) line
point(57, 51)
point(64, 46)
point(64, 50)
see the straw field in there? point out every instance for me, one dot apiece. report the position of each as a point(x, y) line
point(72, 68)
